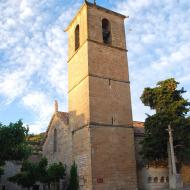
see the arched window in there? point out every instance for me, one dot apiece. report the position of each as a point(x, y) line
point(106, 31)
point(156, 180)
point(162, 179)
point(149, 179)
point(55, 141)
point(77, 37)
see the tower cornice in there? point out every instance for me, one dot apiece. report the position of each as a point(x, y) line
point(88, 4)
point(106, 10)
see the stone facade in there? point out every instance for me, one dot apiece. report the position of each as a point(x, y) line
point(149, 177)
point(10, 169)
point(185, 173)
point(157, 177)
point(100, 115)
point(58, 147)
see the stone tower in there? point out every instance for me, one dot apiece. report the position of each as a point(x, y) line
point(100, 113)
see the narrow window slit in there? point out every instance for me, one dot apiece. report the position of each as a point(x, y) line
point(110, 83)
point(77, 37)
point(55, 141)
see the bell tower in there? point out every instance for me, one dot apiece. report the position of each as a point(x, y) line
point(100, 114)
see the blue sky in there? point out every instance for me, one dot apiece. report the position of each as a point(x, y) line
point(33, 53)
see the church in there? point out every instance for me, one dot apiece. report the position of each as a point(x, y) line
point(98, 132)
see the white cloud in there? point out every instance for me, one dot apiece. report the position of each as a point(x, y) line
point(158, 42)
point(38, 126)
point(12, 85)
point(148, 38)
point(131, 7)
point(35, 48)
point(39, 103)
point(25, 9)
point(42, 106)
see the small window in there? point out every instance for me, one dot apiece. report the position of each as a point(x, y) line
point(106, 31)
point(77, 37)
point(167, 179)
point(162, 179)
point(155, 180)
point(55, 141)
point(149, 179)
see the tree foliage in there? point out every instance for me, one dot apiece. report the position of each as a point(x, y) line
point(13, 145)
point(35, 142)
point(42, 171)
point(56, 171)
point(74, 182)
point(170, 108)
point(38, 172)
point(28, 175)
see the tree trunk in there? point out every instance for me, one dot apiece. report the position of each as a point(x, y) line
point(48, 186)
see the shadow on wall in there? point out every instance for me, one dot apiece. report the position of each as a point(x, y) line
point(77, 121)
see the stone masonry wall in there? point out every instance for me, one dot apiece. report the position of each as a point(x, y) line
point(95, 16)
point(113, 99)
point(113, 158)
point(82, 157)
point(64, 143)
point(185, 173)
point(10, 169)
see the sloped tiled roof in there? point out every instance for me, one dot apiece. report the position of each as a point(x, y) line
point(138, 128)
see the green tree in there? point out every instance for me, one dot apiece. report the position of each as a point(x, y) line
point(33, 172)
point(42, 170)
point(50, 174)
point(28, 175)
point(73, 181)
point(55, 172)
point(35, 142)
point(170, 108)
point(13, 145)
point(21, 179)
